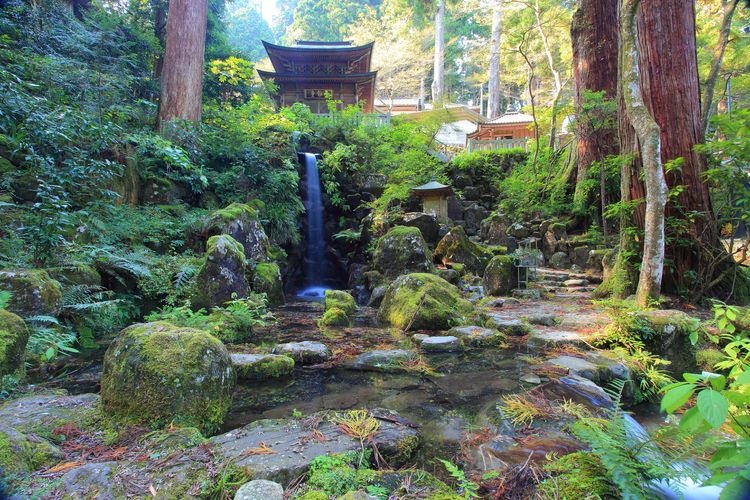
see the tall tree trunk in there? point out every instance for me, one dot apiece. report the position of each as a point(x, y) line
point(439, 65)
point(159, 8)
point(649, 138)
point(555, 75)
point(594, 33)
point(728, 8)
point(671, 92)
point(493, 88)
point(182, 74)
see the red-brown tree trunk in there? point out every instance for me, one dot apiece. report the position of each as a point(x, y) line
point(182, 72)
point(594, 33)
point(671, 92)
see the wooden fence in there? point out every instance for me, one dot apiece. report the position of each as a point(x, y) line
point(489, 145)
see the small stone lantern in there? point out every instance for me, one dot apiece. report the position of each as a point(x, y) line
point(434, 198)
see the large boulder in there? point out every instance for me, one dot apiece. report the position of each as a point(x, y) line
point(241, 222)
point(500, 276)
point(33, 292)
point(13, 338)
point(456, 247)
point(261, 366)
point(267, 279)
point(494, 229)
point(307, 352)
point(423, 301)
point(400, 251)
point(427, 224)
point(474, 214)
point(555, 239)
point(222, 274)
point(670, 338)
point(156, 374)
point(340, 309)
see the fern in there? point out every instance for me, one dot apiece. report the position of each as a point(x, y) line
point(4, 299)
point(469, 488)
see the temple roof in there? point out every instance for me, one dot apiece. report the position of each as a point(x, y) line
point(309, 56)
point(432, 187)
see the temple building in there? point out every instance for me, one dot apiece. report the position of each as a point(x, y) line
point(307, 71)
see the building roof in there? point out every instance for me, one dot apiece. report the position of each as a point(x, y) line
point(511, 117)
point(313, 57)
point(432, 187)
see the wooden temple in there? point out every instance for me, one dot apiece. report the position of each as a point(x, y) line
point(308, 70)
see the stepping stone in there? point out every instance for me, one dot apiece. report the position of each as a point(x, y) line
point(542, 319)
point(261, 366)
point(447, 343)
point(529, 293)
point(260, 489)
point(382, 360)
point(512, 327)
point(477, 336)
point(530, 378)
point(577, 366)
point(554, 338)
point(419, 337)
point(305, 353)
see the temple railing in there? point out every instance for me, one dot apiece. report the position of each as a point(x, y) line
point(493, 144)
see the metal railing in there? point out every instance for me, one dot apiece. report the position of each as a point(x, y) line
point(493, 144)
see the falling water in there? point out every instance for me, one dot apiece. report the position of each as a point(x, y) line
point(315, 264)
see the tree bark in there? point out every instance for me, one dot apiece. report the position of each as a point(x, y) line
point(182, 73)
point(728, 8)
point(671, 92)
point(493, 88)
point(649, 137)
point(439, 64)
point(594, 33)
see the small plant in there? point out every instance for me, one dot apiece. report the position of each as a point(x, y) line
point(467, 488)
point(4, 299)
point(296, 414)
point(522, 409)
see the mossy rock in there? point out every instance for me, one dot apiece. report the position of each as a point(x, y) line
point(13, 338)
point(262, 366)
point(334, 317)
point(33, 292)
point(22, 454)
point(341, 300)
point(456, 247)
point(156, 374)
point(226, 327)
point(666, 333)
point(83, 275)
point(706, 359)
point(402, 250)
point(241, 222)
point(500, 276)
point(222, 274)
point(422, 301)
point(267, 279)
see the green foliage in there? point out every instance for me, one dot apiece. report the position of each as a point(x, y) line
point(4, 299)
point(576, 475)
point(488, 168)
point(467, 488)
point(339, 473)
point(49, 339)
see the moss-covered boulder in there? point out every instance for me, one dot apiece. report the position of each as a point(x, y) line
point(222, 273)
point(666, 333)
point(422, 301)
point(342, 300)
point(262, 366)
point(400, 251)
point(156, 373)
point(427, 224)
point(33, 292)
point(334, 317)
point(500, 276)
point(267, 279)
point(241, 222)
point(22, 454)
point(456, 247)
point(13, 338)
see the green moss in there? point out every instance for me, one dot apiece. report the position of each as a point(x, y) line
point(224, 244)
point(76, 275)
point(576, 475)
point(456, 247)
point(157, 374)
point(267, 279)
point(707, 358)
point(179, 439)
point(402, 250)
point(20, 455)
point(500, 276)
point(13, 338)
point(423, 301)
point(266, 367)
point(314, 495)
point(334, 317)
point(341, 300)
point(222, 273)
point(405, 448)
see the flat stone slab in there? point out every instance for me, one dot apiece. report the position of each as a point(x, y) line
point(542, 319)
point(577, 366)
point(281, 450)
point(553, 338)
point(307, 352)
point(477, 336)
point(576, 282)
point(47, 412)
point(260, 489)
point(261, 366)
point(443, 343)
point(382, 360)
point(513, 327)
point(529, 293)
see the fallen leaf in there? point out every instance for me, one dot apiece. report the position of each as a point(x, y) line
point(261, 449)
point(64, 467)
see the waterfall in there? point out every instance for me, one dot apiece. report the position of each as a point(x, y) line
point(315, 250)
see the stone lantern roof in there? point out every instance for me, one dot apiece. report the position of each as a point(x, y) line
point(433, 188)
